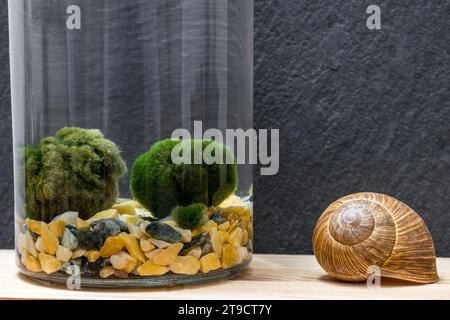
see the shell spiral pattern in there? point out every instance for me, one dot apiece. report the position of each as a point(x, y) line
point(370, 229)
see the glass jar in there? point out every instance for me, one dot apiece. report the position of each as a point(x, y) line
point(98, 89)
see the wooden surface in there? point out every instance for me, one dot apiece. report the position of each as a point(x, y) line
point(269, 277)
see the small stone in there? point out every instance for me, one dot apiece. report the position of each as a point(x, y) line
point(107, 214)
point(39, 245)
point(133, 246)
point(185, 265)
point(127, 207)
point(198, 240)
point(123, 261)
point(250, 245)
point(235, 237)
point(146, 245)
point(49, 240)
point(232, 201)
point(218, 218)
point(216, 241)
point(57, 227)
point(186, 235)
point(49, 264)
point(71, 266)
point(125, 218)
point(68, 240)
point(164, 232)
point(89, 240)
point(106, 272)
point(34, 225)
point(207, 248)
point(242, 254)
point(106, 228)
point(92, 268)
point(151, 254)
point(136, 231)
point(196, 253)
point(149, 268)
point(69, 217)
point(32, 263)
point(92, 255)
point(207, 227)
point(28, 244)
point(230, 256)
point(81, 224)
point(159, 243)
point(112, 246)
point(224, 226)
point(78, 253)
point(223, 236)
point(63, 254)
point(167, 256)
point(210, 262)
point(244, 237)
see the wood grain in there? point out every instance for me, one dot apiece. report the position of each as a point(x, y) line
point(269, 277)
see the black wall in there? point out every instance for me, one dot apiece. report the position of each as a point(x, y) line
point(358, 110)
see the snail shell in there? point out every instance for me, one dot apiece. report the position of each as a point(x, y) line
point(370, 229)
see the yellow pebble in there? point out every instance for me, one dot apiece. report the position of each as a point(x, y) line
point(32, 264)
point(132, 246)
point(216, 241)
point(49, 240)
point(92, 255)
point(49, 264)
point(196, 252)
point(244, 237)
point(224, 226)
point(63, 254)
point(210, 262)
point(107, 214)
point(127, 207)
point(207, 227)
point(151, 254)
point(57, 227)
point(235, 237)
point(146, 245)
point(149, 268)
point(78, 253)
point(34, 226)
point(167, 256)
point(106, 272)
point(232, 201)
point(112, 245)
point(39, 245)
point(81, 224)
point(185, 265)
point(223, 236)
point(230, 256)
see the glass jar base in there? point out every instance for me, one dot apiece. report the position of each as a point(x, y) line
point(169, 280)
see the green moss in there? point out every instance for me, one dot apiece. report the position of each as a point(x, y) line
point(76, 170)
point(191, 216)
point(160, 185)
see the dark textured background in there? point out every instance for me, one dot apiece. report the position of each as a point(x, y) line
point(358, 110)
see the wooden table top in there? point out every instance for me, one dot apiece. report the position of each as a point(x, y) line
point(268, 277)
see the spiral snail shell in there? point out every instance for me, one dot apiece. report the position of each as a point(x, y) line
point(370, 229)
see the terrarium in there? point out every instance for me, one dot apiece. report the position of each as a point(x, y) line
point(99, 91)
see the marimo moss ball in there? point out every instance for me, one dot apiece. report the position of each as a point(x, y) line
point(161, 185)
point(76, 170)
point(191, 216)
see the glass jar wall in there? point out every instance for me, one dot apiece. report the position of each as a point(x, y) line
point(98, 88)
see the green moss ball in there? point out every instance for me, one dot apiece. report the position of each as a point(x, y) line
point(161, 185)
point(190, 217)
point(75, 170)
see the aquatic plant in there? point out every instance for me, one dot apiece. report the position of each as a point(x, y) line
point(75, 170)
point(161, 185)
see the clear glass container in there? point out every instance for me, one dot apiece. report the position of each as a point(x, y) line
point(98, 89)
